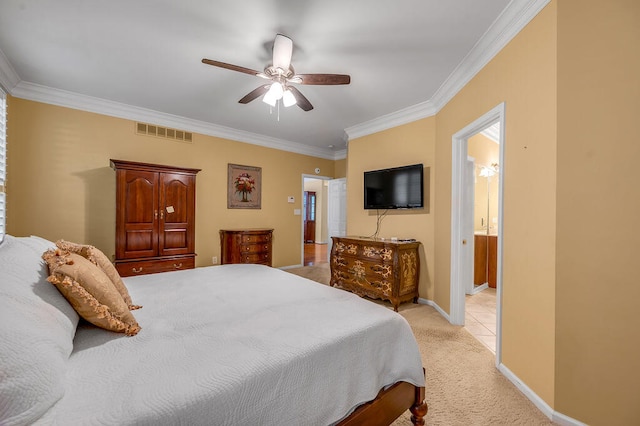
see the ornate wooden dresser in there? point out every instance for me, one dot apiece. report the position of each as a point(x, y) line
point(246, 246)
point(387, 270)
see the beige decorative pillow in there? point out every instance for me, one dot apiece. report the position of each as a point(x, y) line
point(90, 291)
point(97, 257)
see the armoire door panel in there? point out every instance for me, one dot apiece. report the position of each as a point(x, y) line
point(140, 197)
point(175, 240)
point(140, 243)
point(175, 191)
point(177, 199)
point(135, 214)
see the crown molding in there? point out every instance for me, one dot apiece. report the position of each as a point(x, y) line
point(48, 95)
point(8, 76)
point(511, 21)
point(394, 119)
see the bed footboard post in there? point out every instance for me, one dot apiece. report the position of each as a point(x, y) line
point(419, 408)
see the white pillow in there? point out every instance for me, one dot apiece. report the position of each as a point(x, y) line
point(37, 326)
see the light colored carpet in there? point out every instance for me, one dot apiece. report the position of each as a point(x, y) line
point(463, 386)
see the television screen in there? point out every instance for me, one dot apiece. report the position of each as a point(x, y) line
point(396, 188)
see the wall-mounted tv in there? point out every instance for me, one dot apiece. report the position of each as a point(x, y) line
point(395, 188)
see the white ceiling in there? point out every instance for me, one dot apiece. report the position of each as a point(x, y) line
point(142, 60)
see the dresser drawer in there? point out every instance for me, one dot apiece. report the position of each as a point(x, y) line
point(141, 267)
point(255, 248)
point(255, 238)
point(261, 258)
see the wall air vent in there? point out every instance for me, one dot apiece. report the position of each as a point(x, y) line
point(163, 132)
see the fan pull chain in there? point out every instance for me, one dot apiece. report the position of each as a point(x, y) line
point(277, 109)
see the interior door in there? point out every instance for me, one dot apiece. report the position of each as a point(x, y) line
point(336, 210)
point(309, 216)
point(467, 226)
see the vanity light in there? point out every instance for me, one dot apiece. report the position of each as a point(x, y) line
point(488, 171)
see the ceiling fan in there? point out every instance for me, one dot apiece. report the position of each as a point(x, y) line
point(282, 76)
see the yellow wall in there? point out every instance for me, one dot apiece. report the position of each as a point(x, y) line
point(523, 75)
point(60, 184)
point(404, 145)
point(340, 169)
point(598, 285)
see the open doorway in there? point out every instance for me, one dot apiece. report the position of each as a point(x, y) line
point(314, 221)
point(476, 227)
point(483, 153)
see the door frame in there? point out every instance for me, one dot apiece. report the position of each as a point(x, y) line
point(458, 158)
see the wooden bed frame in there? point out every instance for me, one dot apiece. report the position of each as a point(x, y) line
point(389, 405)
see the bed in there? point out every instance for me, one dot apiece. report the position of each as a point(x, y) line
point(220, 345)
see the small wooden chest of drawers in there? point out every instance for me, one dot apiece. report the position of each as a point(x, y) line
point(246, 246)
point(378, 269)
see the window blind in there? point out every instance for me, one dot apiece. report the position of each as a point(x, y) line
point(3, 163)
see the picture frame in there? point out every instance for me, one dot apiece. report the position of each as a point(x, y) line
point(244, 187)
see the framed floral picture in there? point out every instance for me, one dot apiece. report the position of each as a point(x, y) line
point(244, 187)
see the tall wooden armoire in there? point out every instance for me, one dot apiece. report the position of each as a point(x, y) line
point(155, 217)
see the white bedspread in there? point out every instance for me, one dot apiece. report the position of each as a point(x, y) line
point(236, 345)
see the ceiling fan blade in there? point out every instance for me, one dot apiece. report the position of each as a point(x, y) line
point(282, 51)
point(230, 67)
point(323, 79)
point(301, 101)
point(256, 93)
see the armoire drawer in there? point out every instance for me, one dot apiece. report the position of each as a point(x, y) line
point(141, 267)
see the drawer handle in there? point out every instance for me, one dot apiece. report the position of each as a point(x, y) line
point(136, 271)
point(266, 247)
point(178, 266)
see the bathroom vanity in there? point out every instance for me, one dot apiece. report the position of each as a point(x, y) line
point(485, 259)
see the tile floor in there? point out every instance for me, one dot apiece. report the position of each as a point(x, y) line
point(480, 317)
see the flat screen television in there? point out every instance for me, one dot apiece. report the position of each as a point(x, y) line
point(395, 188)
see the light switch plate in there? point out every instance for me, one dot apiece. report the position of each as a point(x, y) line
point(296, 212)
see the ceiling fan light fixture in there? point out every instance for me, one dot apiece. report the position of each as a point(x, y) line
point(269, 100)
point(288, 98)
point(280, 72)
point(274, 94)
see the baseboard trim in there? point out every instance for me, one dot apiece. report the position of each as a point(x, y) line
point(435, 306)
point(526, 390)
point(545, 408)
point(562, 420)
point(478, 289)
point(553, 415)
